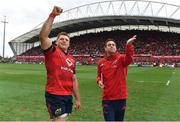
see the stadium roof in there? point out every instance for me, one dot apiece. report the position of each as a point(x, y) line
point(109, 13)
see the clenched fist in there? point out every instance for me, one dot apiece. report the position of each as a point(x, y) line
point(57, 10)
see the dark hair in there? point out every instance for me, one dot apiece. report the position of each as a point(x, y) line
point(63, 33)
point(107, 40)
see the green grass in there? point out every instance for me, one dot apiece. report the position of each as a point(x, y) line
point(150, 99)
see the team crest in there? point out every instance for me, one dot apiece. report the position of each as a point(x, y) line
point(69, 62)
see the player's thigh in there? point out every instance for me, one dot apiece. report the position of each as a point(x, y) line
point(55, 104)
point(68, 104)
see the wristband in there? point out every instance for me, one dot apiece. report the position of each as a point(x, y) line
point(52, 15)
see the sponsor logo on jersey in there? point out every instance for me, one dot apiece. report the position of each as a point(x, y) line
point(68, 61)
point(66, 69)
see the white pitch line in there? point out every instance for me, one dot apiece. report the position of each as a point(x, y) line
point(140, 81)
point(168, 82)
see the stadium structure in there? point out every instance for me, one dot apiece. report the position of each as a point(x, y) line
point(156, 24)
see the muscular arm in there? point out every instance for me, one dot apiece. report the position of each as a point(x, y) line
point(43, 36)
point(76, 92)
point(46, 28)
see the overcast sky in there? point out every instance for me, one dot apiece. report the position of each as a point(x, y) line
point(24, 15)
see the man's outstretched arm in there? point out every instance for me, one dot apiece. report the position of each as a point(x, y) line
point(46, 28)
point(129, 51)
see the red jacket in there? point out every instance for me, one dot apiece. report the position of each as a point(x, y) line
point(112, 71)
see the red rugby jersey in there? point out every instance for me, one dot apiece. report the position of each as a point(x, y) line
point(60, 68)
point(112, 71)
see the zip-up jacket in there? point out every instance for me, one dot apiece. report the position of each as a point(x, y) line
point(112, 71)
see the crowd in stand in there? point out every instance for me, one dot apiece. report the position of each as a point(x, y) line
point(35, 51)
point(87, 47)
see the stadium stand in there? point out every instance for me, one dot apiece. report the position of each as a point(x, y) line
point(88, 48)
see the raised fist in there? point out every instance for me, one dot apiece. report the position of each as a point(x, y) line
point(57, 10)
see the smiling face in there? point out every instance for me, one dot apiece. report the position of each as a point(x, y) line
point(110, 46)
point(63, 41)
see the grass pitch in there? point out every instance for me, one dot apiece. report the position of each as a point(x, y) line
point(154, 94)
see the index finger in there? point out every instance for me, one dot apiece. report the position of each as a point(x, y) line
point(134, 36)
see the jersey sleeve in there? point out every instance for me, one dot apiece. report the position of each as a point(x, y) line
point(99, 72)
point(51, 49)
point(128, 58)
